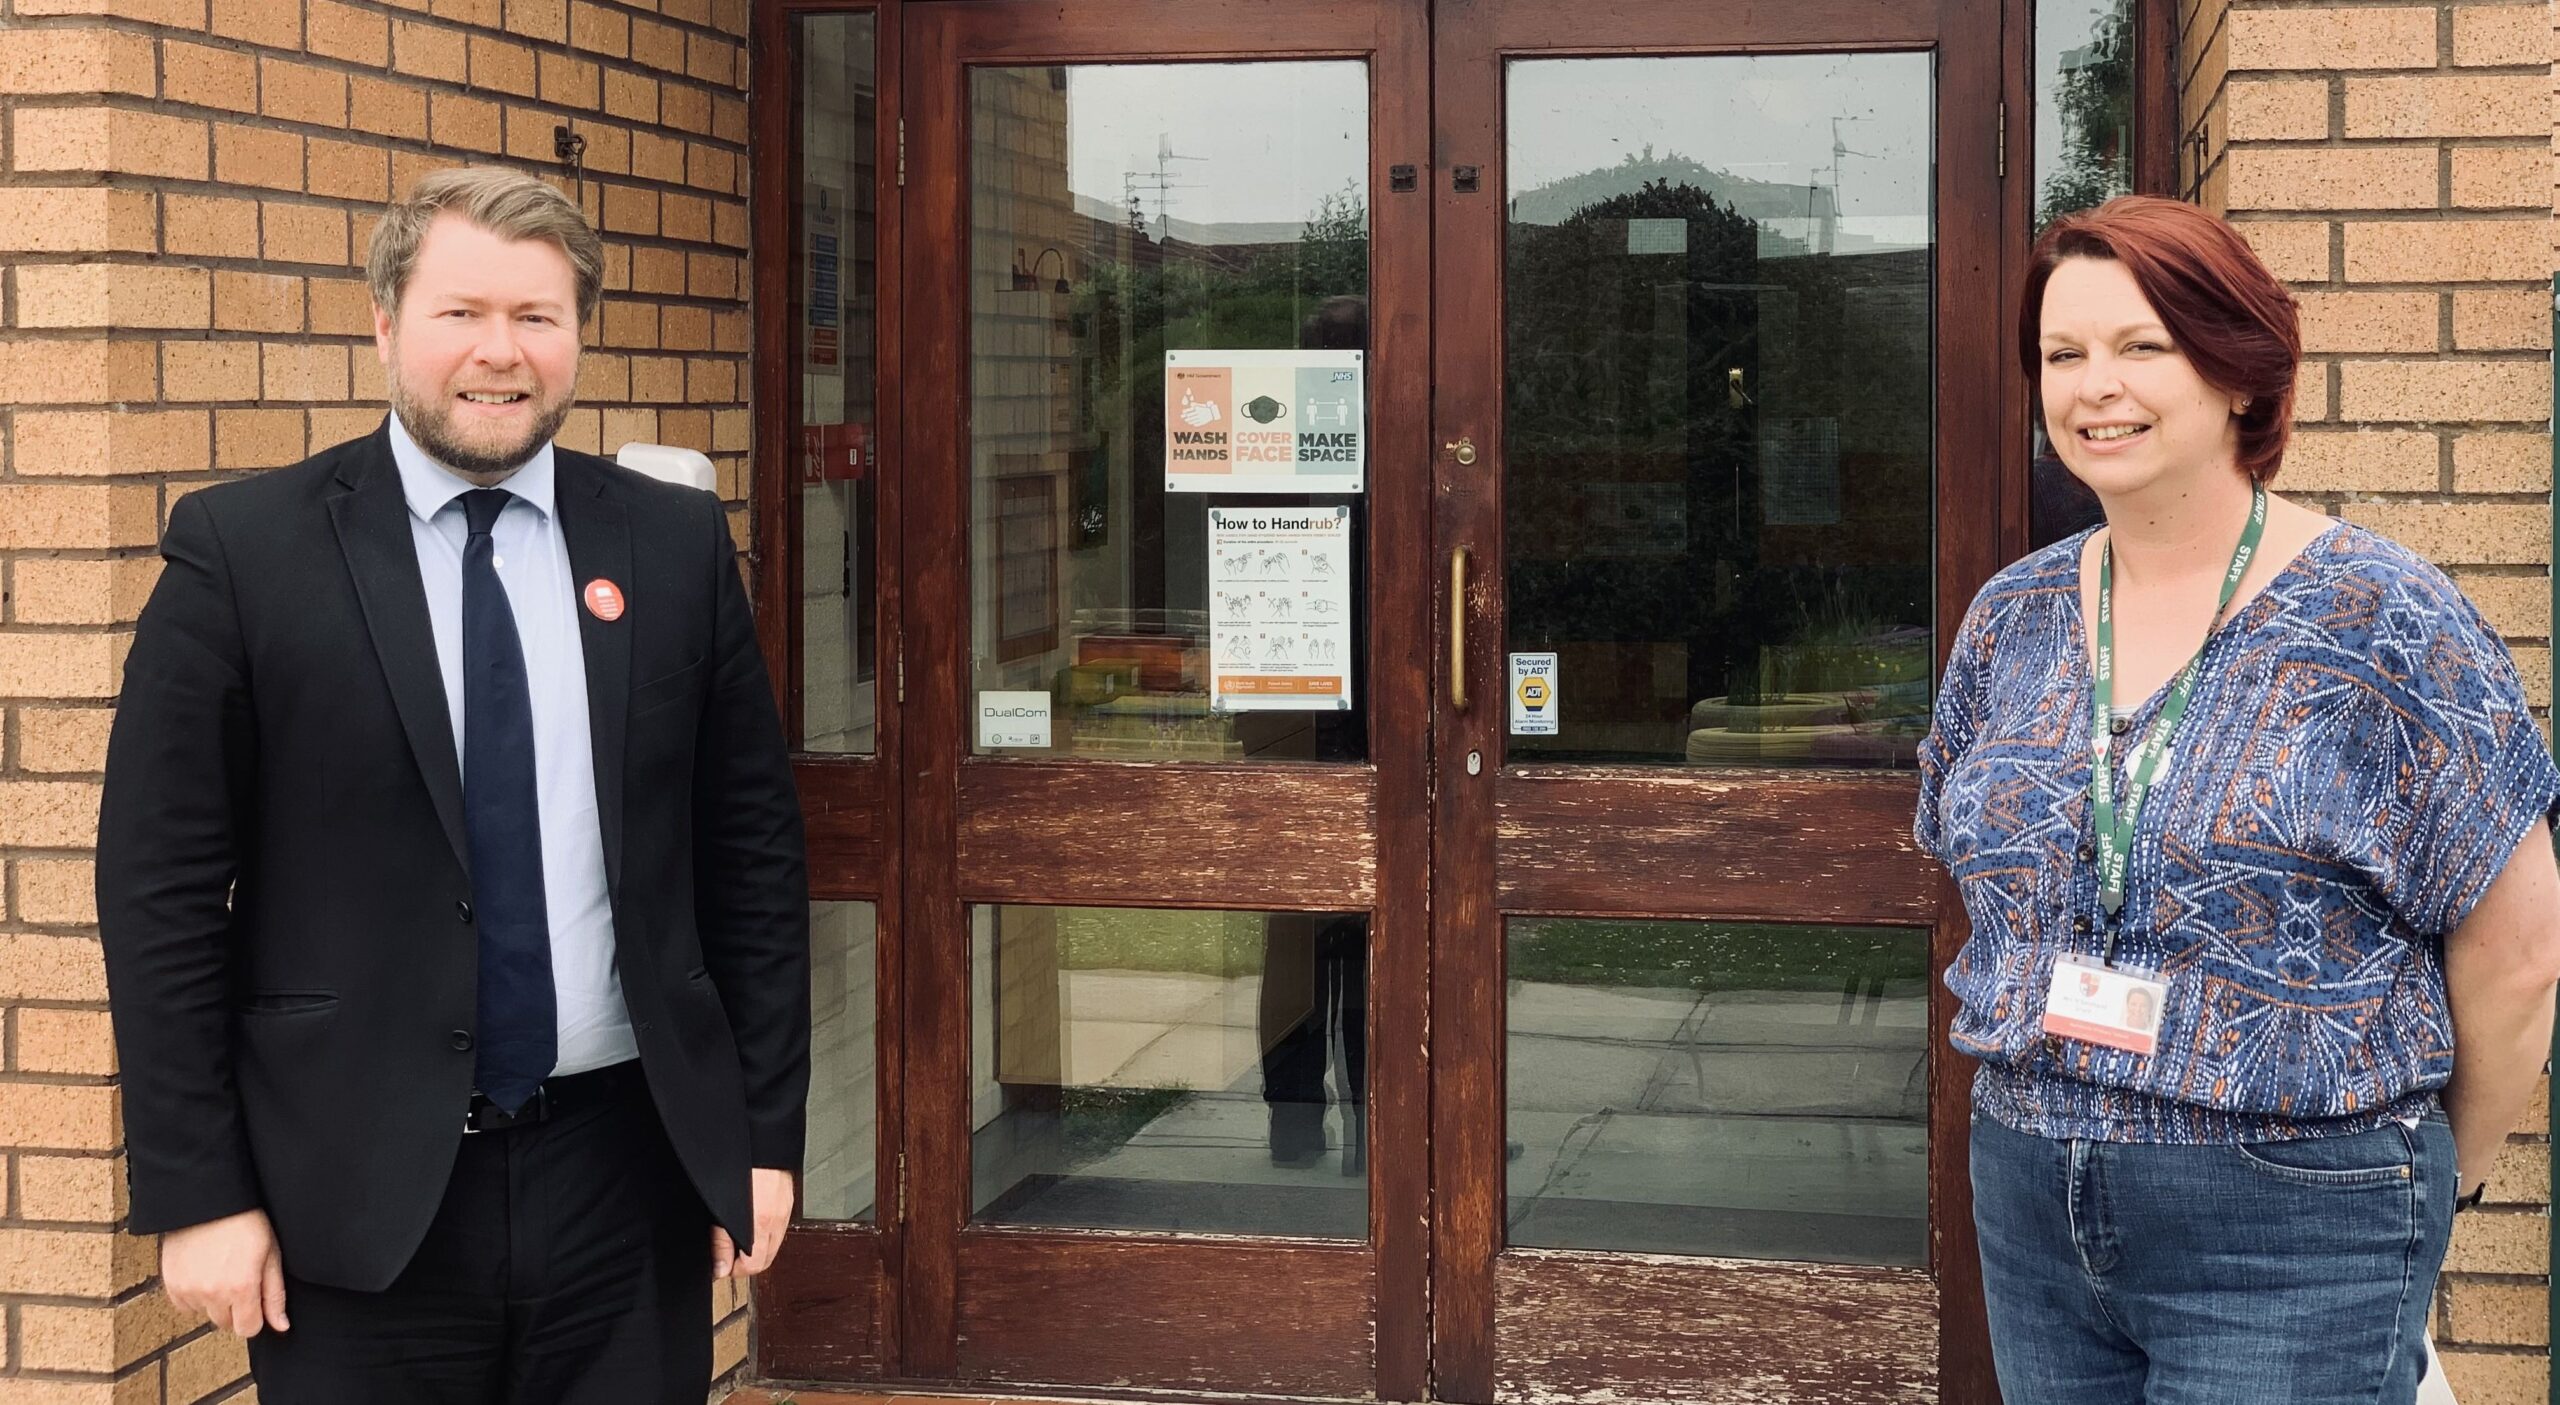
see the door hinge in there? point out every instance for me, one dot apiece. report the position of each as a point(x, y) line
point(2002, 136)
point(902, 151)
point(902, 1187)
point(902, 678)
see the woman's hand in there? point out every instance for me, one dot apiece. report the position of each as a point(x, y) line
point(2501, 966)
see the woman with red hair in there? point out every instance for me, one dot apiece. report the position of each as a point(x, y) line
point(2251, 819)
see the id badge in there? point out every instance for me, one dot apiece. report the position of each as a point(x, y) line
point(2098, 1004)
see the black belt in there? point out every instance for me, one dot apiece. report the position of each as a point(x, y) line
point(557, 1097)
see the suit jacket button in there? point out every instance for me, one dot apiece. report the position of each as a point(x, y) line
point(461, 1040)
point(462, 910)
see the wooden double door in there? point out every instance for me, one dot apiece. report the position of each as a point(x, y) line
point(1408, 548)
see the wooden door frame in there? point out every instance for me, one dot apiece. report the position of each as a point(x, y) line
point(829, 1308)
point(1593, 862)
point(1066, 1306)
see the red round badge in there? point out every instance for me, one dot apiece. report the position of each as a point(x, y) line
point(604, 599)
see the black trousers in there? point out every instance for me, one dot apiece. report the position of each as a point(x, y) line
point(569, 1264)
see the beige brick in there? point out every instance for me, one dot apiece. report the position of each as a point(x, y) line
point(59, 591)
point(2498, 462)
point(259, 22)
point(599, 29)
point(101, 1339)
point(656, 45)
point(630, 210)
point(485, 13)
point(311, 234)
point(2325, 39)
point(389, 109)
point(57, 665)
point(470, 123)
point(424, 50)
point(303, 372)
point(74, 516)
point(207, 1364)
point(658, 158)
point(2500, 1241)
point(2294, 250)
point(631, 97)
point(2333, 178)
point(345, 32)
point(502, 66)
point(2497, 1314)
point(608, 145)
point(95, 442)
point(658, 272)
point(2278, 109)
point(66, 1041)
point(657, 380)
point(62, 741)
point(2360, 461)
point(2445, 390)
point(2501, 34)
point(630, 324)
point(77, 371)
point(685, 329)
point(407, 169)
point(205, 76)
point(2518, 607)
point(54, 1117)
point(2453, 105)
point(2497, 1378)
point(711, 59)
point(622, 427)
point(2501, 177)
point(729, 224)
point(257, 438)
point(330, 428)
point(710, 383)
point(211, 224)
point(257, 156)
point(257, 302)
point(729, 119)
point(2461, 533)
point(2533, 670)
point(2502, 319)
point(2448, 251)
point(710, 168)
point(711, 275)
point(341, 307)
point(113, 295)
point(350, 171)
point(569, 81)
point(210, 370)
point(529, 135)
point(299, 92)
point(58, 893)
point(114, 141)
point(731, 332)
point(580, 431)
point(685, 108)
point(93, 219)
point(71, 1189)
point(732, 431)
point(617, 263)
point(35, 967)
point(370, 388)
point(546, 20)
point(87, 61)
point(685, 217)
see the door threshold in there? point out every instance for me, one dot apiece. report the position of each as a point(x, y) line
point(786, 1395)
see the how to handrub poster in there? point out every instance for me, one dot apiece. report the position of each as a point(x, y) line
point(1280, 609)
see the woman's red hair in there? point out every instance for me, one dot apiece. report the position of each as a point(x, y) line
point(2230, 317)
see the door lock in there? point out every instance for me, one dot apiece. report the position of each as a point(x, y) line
point(1463, 450)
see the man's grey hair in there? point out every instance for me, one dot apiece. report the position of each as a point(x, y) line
point(507, 203)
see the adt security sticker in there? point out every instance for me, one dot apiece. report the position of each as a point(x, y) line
point(1533, 695)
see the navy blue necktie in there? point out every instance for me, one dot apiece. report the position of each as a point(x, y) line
point(519, 1032)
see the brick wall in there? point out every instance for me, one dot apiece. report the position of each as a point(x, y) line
point(2394, 164)
point(186, 192)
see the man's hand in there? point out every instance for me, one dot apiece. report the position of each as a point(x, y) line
point(773, 1196)
point(229, 1270)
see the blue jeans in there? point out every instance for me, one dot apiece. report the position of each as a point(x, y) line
point(2296, 1272)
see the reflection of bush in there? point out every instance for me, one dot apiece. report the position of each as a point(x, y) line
point(1095, 1122)
point(1165, 940)
point(1706, 956)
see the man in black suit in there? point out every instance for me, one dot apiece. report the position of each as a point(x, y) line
point(451, 878)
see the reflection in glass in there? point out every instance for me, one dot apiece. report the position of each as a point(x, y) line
point(834, 272)
point(2084, 104)
point(1719, 422)
point(839, 1168)
point(1202, 1072)
point(1719, 1089)
point(1118, 212)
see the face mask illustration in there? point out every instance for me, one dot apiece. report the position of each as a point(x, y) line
point(1262, 409)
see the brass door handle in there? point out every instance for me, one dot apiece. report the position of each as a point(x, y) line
point(1463, 450)
point(1458, 629)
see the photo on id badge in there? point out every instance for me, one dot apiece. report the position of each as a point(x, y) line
point(2098, 1004)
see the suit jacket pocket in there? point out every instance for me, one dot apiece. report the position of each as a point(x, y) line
point(286, 1002)
point(666, 688)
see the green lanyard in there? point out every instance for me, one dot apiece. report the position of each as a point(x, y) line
point(2115, 831)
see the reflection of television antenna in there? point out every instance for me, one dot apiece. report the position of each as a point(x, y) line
point(1161, 184)
point(1838, 149)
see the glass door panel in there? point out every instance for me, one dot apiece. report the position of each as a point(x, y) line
point(1717, 406)
point(1121, 213)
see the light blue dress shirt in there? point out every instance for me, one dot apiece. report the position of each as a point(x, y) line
point(542, 592)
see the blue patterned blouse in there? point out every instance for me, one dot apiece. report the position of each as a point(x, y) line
point(2356, 767)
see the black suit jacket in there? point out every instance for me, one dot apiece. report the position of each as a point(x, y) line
point(283, 873)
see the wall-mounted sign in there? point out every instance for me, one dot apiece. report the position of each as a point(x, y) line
point(1280, 609)
point(1264, 422)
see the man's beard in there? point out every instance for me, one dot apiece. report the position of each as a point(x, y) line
point(431, 423)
